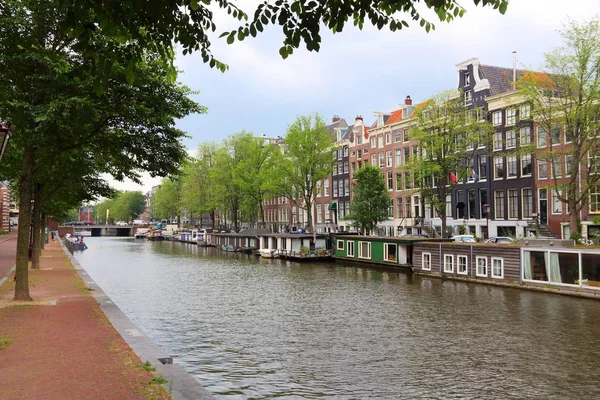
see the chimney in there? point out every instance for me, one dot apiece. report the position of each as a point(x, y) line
point(359, 117)
point(514, 70)
point(335, 119)
point(408, 101)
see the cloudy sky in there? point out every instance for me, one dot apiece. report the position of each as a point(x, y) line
point(358, 72)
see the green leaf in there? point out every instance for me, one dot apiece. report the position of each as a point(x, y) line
point(283, 52)
point(231, 38)
point(194, 5)
point(503, 7)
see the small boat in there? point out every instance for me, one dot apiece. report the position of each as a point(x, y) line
point(269, 253)
point(247, 249)
point(230, 247)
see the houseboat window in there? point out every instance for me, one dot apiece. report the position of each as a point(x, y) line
point(497, 268)
point(551, 267)
point(350, 250)
point(426, 262)
point(481, 267)
point(391, 252)
point(590, 274)
point(364, 250)
point(461, 265)
point(340, 245)
point(449, 263)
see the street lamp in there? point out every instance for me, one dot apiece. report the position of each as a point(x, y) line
point(486, 209)
point(4, 136)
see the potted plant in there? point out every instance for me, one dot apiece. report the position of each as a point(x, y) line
point(574, 273)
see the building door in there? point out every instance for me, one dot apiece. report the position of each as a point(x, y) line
point(543, 198)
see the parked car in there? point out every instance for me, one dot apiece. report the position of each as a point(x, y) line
point(415, 236)
point(121, 223)
point(138, 222)
point(500, 239)
point(464, 238)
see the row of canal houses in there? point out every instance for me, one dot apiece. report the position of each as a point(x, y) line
point(509, 194)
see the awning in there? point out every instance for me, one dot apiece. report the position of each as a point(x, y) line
point(333, 207)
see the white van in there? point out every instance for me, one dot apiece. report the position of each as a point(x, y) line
point(138, 222)
point(464, 238)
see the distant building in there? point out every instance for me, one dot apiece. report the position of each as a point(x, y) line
point(86, 214)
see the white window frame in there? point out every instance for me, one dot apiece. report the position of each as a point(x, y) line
point(388, 139)
point(511, 116)
point(537, 137)
point(498, 140)
point(458, 264)
point(525, 111)
point(477, 271)
point(426, 266)
point(389, 158)
point(468, 97)
point(515, 198)
point(446, 258)
point(496, 178)
point(467, 79)
point(497, 118)
point(523, 208)
point(501, 275)
point(523, 157)
point(538, 168)
point(594, 193)
point(524, 129)
point(360, 251)
point(350, 249)
point(513, 133)
point(386, 247)
point(340, 245)
point(512, 160)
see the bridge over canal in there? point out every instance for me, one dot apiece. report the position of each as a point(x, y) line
point(97, 230)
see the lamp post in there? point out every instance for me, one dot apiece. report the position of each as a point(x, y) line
point(4, 136)
point(486, 209)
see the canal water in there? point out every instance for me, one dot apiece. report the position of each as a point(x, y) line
point(254, 328)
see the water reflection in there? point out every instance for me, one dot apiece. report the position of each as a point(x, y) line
point(256, 328)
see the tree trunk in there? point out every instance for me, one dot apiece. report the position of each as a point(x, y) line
point(36, 226)
point(22, 268)
point(573, 219)
point(213, 215)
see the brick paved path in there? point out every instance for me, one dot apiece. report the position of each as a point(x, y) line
point(62, 345)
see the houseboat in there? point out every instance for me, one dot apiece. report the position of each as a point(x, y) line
point(296, 246)
point(246, 240)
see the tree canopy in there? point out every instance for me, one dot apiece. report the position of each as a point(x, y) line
point(370, 198)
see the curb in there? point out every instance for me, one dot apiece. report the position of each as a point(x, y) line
point(181, 385)
point(5, 277)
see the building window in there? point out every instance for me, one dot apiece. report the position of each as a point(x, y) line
point(511, 166)
point(407, 181)
point(345, 151)
point(398, 157)
point(335, 189)
point(364, 250)
point(341, 184)
point(511, 139)
point(498, 141)
point(380, 140)
point(408, 208)
point(381, 160)
point(499, 204)
point(390, 252)
point(326, 188)
point(467, 79)
point(390, 160)
point(568, 137)
point(568, 164)
point(542, 137)
point(374, 160)
point(595, 199)
point(346, 187)
point(426, 262)
point(319, 214)
point(481, 267)
point(556, 167)
point(388, 138)
point(397, 136)
point(462, 265)
point(468, 97)
point(350, 251)
point(497, 268)
point(390, 180)
point(449, 263)
point(511, 116)
point(526, 168)
point(497, 118)
point(373, 142)
point(527, 203)
point(513, 204)
point(335, 169)
point(482, 168)
point(405, 135)
point(556, 203)
point(525, 111)
point(399, 182)
point(542, 169)
point(399, 207)
point(498, 167)
point(525, 134)
point(555, 135)
point(406, 155)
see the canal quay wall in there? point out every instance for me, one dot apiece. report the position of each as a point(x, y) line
point(532, 265)
point(181, 385)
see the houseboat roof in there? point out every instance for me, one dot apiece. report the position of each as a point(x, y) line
point(396, 239)
point(244, 233)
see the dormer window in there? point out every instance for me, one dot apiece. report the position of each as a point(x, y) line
point(405, 113)
point(467, 79)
